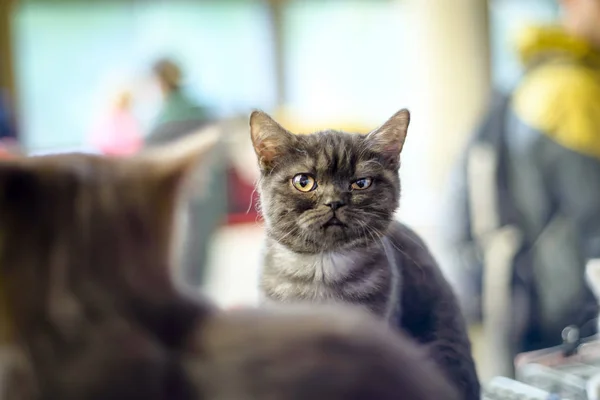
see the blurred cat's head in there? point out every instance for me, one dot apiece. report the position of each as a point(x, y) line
point(73, 225)
point(328, 190)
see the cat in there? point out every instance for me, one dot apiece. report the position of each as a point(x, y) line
point(328, 201)
point(85, 246)
point(89, 309)
point(303, 353)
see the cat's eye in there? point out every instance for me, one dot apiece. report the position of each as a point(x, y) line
point(304, 182)
point(361, 184)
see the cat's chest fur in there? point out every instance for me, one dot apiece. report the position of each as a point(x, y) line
point(367, 277)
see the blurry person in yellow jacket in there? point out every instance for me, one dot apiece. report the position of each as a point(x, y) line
point(527, 204)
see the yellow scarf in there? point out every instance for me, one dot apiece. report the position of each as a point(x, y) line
point(561, 100)
point(538, 40)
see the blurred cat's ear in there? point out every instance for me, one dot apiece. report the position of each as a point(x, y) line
point(268, 138)
point(389, 138)
point(173, 163)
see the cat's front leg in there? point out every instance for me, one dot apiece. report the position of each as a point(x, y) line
point(454, 358)
point(431, 314)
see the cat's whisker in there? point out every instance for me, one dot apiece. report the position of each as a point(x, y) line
point(290, 232)
point(374, 236)
point(251, 201)
point(365, 230)
point(402, 251)
point(420, 245)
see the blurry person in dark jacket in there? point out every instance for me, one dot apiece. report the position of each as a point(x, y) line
point(6, 126)
point(527, 205)
point(8, 132)
point(179, 116)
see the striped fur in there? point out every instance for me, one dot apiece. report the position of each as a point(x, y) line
point(371, 261)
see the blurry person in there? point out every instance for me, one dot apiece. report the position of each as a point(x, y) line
point(118, 132)
point(6, 126)
point(527, 206)
point(8, 132)
point(180, 116)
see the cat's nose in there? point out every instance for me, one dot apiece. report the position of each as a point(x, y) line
point(335, 204)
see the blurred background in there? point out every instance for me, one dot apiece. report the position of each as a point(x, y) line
point(86, 76)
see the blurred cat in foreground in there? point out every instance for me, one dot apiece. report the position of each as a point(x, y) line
point(88, 309)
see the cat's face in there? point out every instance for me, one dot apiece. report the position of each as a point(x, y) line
point(73, 225)
point(328, 190)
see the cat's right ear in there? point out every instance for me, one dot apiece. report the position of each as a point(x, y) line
point(269, 139)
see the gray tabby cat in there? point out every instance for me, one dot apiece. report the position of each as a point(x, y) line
point(328, 200)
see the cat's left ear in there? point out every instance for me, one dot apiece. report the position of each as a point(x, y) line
point(389, 138)
point(173, 164)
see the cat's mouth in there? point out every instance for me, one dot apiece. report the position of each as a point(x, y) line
point(333, 221)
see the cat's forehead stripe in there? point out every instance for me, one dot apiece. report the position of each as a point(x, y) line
point(333, 153)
